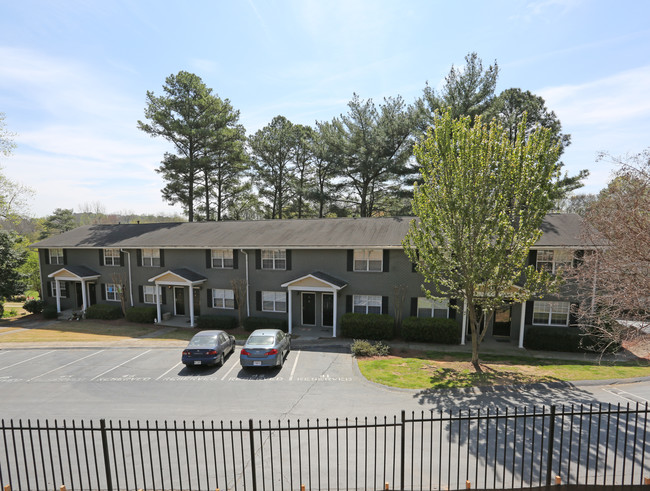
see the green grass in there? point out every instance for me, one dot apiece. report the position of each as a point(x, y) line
point(435, 370)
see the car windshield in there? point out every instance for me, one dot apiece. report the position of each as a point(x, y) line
point(260, 340)
point(199, 341)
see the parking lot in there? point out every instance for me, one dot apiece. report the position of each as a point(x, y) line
point(33, 366)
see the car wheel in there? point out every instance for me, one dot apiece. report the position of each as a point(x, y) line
point(222, 359)
point(281, 360)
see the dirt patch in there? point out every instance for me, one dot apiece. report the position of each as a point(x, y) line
point(639, 347)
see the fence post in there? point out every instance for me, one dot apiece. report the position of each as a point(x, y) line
point(402, 450)
point(252, 440)
point(551, 439)
point(107, 461)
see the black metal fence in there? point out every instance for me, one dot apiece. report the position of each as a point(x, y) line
point(493, 449)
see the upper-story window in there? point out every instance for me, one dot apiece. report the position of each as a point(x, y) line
point(56, 256)
point(274, 259)
point(552, 260)
point(222, 258)
point(111, 257)
point(428, 307)
point(368, 259)
point(151, 257)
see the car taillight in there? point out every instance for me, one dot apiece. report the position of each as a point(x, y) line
point(211, 352)
point(245, 353)
point(186, 353)
point(271, 352)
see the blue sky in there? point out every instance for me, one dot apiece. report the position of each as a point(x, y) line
point(74, 75)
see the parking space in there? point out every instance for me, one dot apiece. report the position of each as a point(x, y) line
point(161, 365)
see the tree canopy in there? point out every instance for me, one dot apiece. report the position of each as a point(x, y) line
point(479, 205)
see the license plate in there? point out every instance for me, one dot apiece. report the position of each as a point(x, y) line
point(257, 363)
point(197, 362)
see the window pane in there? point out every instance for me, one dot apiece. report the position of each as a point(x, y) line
point(425, 312)
point(360, 265)
point(374, 310)
point(440, 313)
point(374, 265)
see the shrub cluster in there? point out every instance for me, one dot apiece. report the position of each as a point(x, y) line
point(363, 347)
point(104, 311)
point(252, 323)
point(431, 330)
point(216, 322)
point(49, 312)
point(557, 338)
point(34, 306)
point(367, 326)
point(2, 309)
point(142, 315)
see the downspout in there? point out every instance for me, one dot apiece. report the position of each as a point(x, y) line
point(248, 304)
point(130, 282)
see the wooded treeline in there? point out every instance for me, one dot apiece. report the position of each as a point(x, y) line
point(358, 164)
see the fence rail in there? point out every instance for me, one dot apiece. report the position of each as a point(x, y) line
point(491, 449)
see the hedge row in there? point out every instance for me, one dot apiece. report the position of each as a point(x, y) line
point(552, 338)
point(431, 330)
point(252, 323)
point(143, 315)
point(219, 322)
point(104, 311)
point(367, 326)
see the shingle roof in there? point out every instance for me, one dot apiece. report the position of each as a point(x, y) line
point(325, 233)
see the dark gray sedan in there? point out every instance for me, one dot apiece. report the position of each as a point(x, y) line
point(208, 348)
point(265, 348)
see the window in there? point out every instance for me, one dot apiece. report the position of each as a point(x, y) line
point(151, 257)
point(551, 313)
point(149, 292)
point(56, 256)
point(367, 304)
point(223, 299)
point(274, 259)
point(427, 307)
point(552, 260)
point(274, 301)
point(111, 257)
point(368, 259)
point(62, 286)
point(222, 258)
point(112, 292)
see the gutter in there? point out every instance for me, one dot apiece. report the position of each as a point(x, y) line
point(248, 304)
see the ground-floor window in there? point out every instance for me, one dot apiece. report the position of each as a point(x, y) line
point(428, 307)
point(367, 304)
point(551, 313)
point(62, 286)
point(149, 292)
point(223, 299)
point(274, 302)
point(112, 292)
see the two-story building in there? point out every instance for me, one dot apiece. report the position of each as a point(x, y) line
point(308, 272)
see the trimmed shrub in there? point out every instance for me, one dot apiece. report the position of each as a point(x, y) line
point(431, 330)
point(142, 315)
point(367, 326)
point(252, 323)
point(34, 306)
point(363, 347)
point(2, 309)
point(558, 338)
point(104, 311)
point(216, 322)
point(49, 312)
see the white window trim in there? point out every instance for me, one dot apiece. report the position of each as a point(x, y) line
point(56, 258)
point(221, 255)
point(364, 301)
point(112, 258)
point(223, 294)
point(276, 300)
point(152, 293)
point(62, 286)
point(555, 264)
point(277, 255)
point(150, 254)
point(550, 313)
point(117, 292)
point(366, 257)
point(435, 305)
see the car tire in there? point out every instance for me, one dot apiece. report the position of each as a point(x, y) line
point(281, 360)
point(222, 359)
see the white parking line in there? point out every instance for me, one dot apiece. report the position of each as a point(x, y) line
point(25, 361)
point(118, 366)
point(179, 363)
point(63, 366)
point(626, 395)
point(295, 364)
point(231, 368)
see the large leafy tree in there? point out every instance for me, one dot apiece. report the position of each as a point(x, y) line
point(324, 188)
point(273, 149)
point(614, 276)
point(303, 169)
point(13, 195)
point(371, 147)
point(12, 257)
point(61, 220)
point(480, 204)
point(192, 118)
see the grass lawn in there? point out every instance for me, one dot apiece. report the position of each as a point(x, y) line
point(435, 370)
point(14, 310)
